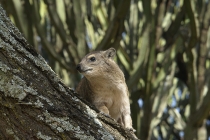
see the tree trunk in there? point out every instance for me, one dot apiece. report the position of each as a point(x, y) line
point(34, 102)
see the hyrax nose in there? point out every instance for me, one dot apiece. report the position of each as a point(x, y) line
point(78, 67)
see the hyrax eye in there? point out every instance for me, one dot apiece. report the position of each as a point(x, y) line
point(92, 59)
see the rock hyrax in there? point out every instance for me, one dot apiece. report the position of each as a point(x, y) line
point(104, 85)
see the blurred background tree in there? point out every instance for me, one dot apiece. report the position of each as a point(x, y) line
point(163, 49)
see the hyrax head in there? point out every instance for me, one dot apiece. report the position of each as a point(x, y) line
point(94, 63)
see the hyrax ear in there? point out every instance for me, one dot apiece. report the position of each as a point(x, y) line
point(110, 53)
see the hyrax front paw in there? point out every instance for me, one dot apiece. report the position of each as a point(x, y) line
point(107, 115)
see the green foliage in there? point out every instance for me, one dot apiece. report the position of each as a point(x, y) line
point(163, 49)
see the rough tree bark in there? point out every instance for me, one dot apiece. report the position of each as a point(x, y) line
point(34, 102)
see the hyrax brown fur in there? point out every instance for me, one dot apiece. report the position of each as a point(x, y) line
point(104, 85)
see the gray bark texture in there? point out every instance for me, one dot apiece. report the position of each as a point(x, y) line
point(34, 102)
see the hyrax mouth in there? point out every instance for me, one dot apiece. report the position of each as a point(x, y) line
point(83, 71)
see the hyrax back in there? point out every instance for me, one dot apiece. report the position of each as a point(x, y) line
point(104, 85)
